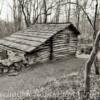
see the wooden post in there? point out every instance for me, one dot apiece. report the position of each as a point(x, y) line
point(51, 48)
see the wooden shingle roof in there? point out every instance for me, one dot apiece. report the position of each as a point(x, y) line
point(29, 39)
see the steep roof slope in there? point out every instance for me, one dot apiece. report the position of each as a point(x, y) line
point(27, 40)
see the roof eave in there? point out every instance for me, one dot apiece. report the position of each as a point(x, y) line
point(72, 27)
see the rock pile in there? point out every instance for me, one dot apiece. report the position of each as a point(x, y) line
point(13, 61)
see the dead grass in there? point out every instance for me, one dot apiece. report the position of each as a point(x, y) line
point(38, 75)
point(70, 87)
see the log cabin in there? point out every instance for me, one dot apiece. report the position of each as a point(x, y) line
point(43, 42)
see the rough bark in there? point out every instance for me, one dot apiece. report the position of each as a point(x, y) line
point(78, 14)
point(45, 11)
point(57, 16)
point(96, 65)
point(89, 64)
point(94, 36)
point(69, 10)
point(27, 22)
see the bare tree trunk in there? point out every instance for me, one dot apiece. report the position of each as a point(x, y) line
point(45, 11)
point(89, 64)
point(78, 14)
point(96, 65)
point(37, 9)
point(66, 12)
point(19, 17)
point(57, 13)
point(69, 11)
point(25, 10)
point(94, 36)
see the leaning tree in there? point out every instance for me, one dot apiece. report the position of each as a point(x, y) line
point(93, 56)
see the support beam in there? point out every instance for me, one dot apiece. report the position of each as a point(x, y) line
point(51, 48)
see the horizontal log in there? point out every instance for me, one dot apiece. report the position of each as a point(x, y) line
point(61, 49)
point(46, 45)
point(60, 56)
point(47, 57)
point(59, 53)
point(60, 45)
point(73, 38)
point(72, 47)
point(59, 38)
point(63, 42)
point(42, 49)
point(44, 53)
point(59, 42)
point(73, 41)
point(42, 58)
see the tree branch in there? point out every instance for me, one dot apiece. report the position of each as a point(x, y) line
point(82, 10)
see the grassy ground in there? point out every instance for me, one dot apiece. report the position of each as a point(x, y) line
point(37, 76)
point(70, 87)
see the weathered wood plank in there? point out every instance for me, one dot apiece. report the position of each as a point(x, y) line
point(33, 35)
point(55, 45)
point(60, 56)
point(25, 48)
point(12, 49)
point(61, 49)
point(36, 33)
point(44, 36)
point(29, 38)
point(41, 31)
point(22, 41)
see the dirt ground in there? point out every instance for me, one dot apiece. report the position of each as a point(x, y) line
point(87, 55)
point(38, 75)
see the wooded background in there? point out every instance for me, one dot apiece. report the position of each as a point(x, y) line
point(84, 14)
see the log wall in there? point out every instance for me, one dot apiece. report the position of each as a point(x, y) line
point(63, 44)
point(41, 54)
point(73, 44)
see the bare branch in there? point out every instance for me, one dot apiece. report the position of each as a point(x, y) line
point(82, 10)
